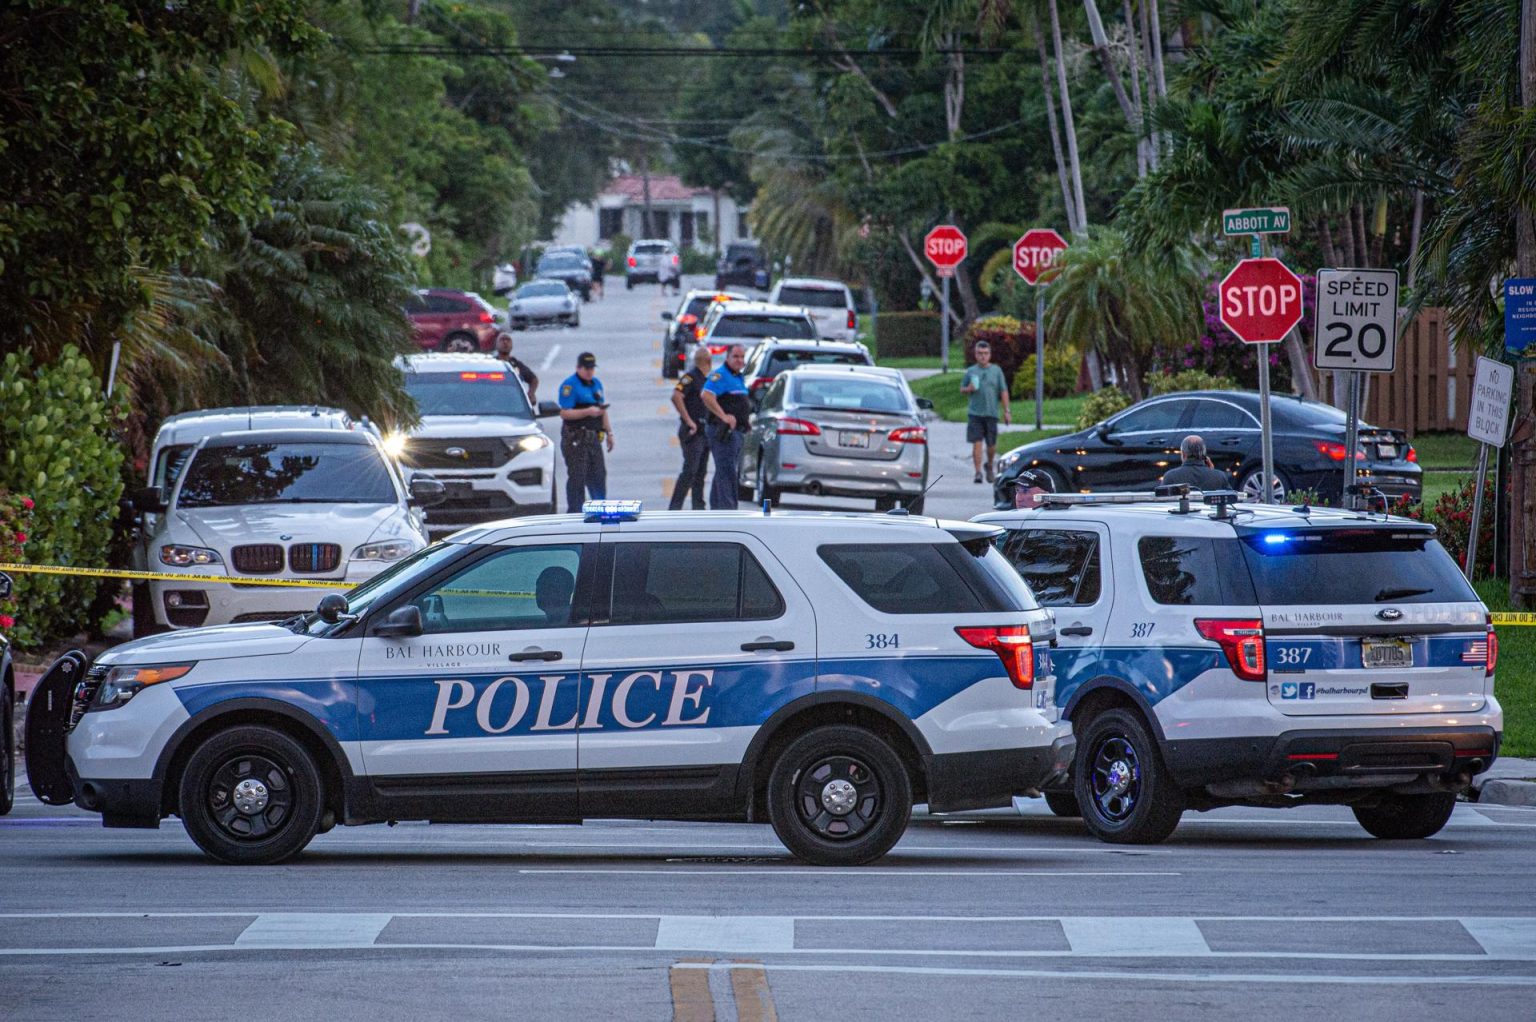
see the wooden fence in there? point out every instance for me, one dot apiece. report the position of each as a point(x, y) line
point(1431, 388)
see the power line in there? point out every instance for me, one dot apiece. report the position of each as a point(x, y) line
point(766, 52)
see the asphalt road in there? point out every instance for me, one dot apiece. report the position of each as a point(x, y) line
point(1264, 914)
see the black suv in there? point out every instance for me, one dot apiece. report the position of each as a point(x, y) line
point(742, 265)
point(572, 267)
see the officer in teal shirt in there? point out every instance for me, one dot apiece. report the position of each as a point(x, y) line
point(584, 431)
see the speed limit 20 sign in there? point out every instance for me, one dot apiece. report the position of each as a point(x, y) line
point(1356, 321)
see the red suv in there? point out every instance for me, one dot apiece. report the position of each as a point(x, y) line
point(448, 320)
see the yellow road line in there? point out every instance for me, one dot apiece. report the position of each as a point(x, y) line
point(691, 999)
point(754, 1001)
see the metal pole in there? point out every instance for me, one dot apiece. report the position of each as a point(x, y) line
point(1351, 443)
point(1477, 511)
point(944, 351)
point(117, 350)
point(1265, 429)
point(1039, 356)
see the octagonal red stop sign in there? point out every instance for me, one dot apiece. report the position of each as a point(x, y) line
point(1260, 300)
point(945, 248)
point(1035, 254)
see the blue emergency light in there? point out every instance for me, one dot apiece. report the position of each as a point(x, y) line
point(611, 510)
point(1275, 538)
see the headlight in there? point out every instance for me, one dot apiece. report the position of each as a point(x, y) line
point(123, 683)
point(188, 556)
point(531, 442)
point(1008, 459)
point(392, 551)
point(394, 444)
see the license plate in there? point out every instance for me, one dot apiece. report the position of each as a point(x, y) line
point(1386, 451)
point(1386, 653)
point(457, 489)
point(854, 439)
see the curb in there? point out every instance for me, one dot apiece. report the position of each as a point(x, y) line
point(1504, 792)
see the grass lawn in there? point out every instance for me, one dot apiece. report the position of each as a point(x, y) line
point(944, 391)
point(1445, 450)
point(1515, 679)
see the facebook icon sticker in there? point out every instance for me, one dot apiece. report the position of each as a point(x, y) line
point(1308, 690)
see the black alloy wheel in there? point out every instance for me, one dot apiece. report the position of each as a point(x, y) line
point(251, 795)
point(839, 796)
point(1126, 794)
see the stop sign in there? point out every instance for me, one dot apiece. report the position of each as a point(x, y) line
point(1035, 253)
point(945, 248)
point(1260, 300)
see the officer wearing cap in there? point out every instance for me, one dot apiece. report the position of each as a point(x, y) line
point(730, 413)
point(584, 430)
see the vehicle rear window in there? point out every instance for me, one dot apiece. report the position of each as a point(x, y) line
point(849, 394)
point(792, 327)
point(286, 473)
point(650, 247)
point(1194, 571)
point(815, 297)
point(782, 360)
point(656, 583)
point(1354, 566)
point(928, 578)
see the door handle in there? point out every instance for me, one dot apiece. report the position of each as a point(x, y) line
point(780, 645)
point(1232, 441)
point(537, 654)
point(1075, 630)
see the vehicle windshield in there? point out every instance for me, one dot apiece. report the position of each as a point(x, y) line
point(848, 393)
point(384, 585)
point(482, 392)
point(287, 473)
point(562, 262)
point(791, 327)
point(1352, 566)
point(781, 360)
point(815, 297)
point(544, 289)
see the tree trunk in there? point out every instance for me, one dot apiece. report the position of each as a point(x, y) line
point(1146, 155)
point(645, 188)
point(1157, 50)
point(1073, 164)
point(1050, 115)
point(954, 88)
point(1107, 62)
point(1522, 533)
point(1349, 239)
point(1362, 246)
point(1330, 252)
point(1301, 369)
point(1146, 54)
point(1413, 237)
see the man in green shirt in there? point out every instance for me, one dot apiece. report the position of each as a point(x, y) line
point(986, 385)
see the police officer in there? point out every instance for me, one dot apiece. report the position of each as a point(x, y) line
point(730, 412)
point(691, 438)
point(584, 430)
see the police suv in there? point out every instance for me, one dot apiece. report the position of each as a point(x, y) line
point(1235, 654)
point(819, 671)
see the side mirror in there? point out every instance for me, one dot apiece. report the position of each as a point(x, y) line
point(426, 491)
point(667, 316)
point(548, 410)
point(150, 500)
point(1105, 432)
point(5, 585)
point(333, 608)
point(401, 622)
point(924, 404)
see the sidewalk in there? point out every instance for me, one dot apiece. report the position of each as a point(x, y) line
point(1509, 782)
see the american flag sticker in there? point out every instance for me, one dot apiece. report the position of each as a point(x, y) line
point(1476, 652)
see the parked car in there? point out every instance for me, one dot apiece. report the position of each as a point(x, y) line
point(7, 715)
point(776, 355)
point(653, 261)
point(317, 504)
point(449, 320)
point(1132, 450)
point(738, 322)
point(572, 268)
point(685, 328)
point(838, 431)
point(478, 437)
point(829, 302)
point(543, 303)
point(742, 265)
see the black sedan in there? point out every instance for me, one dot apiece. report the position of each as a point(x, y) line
point(1132, 450)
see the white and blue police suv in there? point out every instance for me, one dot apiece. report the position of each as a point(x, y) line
point(1232, 654)
point(819, 671)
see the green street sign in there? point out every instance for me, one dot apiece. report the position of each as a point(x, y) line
point(1266, 220)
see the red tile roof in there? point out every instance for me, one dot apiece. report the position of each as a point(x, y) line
point(664, 188)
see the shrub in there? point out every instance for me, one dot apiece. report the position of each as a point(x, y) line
point(1101, 404)
point(908, 334)
point(695, 261)
point(1219, 351)
point(1188, 379)
point(15, 525)
point(56, 445)
point(1011, 340)
point(618, 251)
point(1060, 377)
point(1451, 515)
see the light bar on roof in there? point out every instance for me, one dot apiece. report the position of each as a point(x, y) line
point(611, 510)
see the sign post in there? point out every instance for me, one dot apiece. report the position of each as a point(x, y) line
point(1034, 257)
point(945, 247)
point(1356, 333)
point(1488, 424)
point(1260, 302)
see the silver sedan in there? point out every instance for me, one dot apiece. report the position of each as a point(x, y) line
point(841, 431)
point(544, 302)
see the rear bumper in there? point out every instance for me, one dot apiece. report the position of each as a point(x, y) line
point(985, 780)
point(1318, 758)
point(904, 476)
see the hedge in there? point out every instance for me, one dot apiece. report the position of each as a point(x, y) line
point(908, 334)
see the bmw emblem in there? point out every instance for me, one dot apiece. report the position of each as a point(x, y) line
point(285, 538)
point(1389, 614)
point(456, 452)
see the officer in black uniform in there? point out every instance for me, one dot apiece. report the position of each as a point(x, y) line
point(584, 432)
point(730, 416)
point(691, 417)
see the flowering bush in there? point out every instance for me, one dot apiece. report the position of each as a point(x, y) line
point(15, 521)
point(1220, 352)
point(1451, 515)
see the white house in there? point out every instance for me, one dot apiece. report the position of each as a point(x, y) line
point(686, 215)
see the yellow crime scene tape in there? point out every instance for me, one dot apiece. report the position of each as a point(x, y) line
point(243, 580)
point(1514, 618)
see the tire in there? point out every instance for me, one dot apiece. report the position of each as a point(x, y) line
point(1063, 803)
point(460, 342)
point(839, 762)
point(1406, 817)
point(1251, 488)
point(7, 750)
point(1126, 794)
point(884, 504)
point(763, 491)
point(267, 759)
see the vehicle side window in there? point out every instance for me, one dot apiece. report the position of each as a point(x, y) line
point(1162, 415)
point(671, 583)
point(169, 465)
point(519, 588)
point(911, 578)
point(1220, 415)
point(774, 398)
point(416, 304)
point(1189, 571)
point(1061, 566)
point(442, 303)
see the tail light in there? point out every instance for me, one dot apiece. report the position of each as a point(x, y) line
point(909, 435)
point(853, 320)
point(486, 317)
point(631, 262)
point(1412, 455)
point(718, 349)
point(698, 334)
point(1242, 640)
point(798, 427)
point(1336, 452)
point(675, 260)
point(687, 319)
point(1493, 649)
point(1013, 647)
